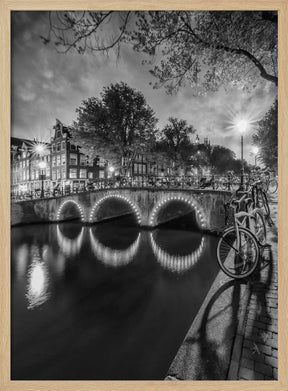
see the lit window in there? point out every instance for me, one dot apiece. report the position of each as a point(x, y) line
point(73, 173)
point(90, 175)
point(58, 174)
point(83, 173)
point(63, 145)
point(58, 160)
point(64, 173)
point(101, 174)
point(63, 159)
point(53, 161)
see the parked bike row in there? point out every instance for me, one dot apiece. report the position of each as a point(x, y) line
point(240, 244)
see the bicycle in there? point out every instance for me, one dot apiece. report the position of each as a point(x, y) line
point(253, 218)
point(259, 197)
point(238, 249)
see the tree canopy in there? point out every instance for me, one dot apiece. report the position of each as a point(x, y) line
point(206, 49)
point(221, 158)
point(266, 138)
point(117, 125)
point(175, 141)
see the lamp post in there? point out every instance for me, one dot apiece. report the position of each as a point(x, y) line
point(42, 166)
point(242, 127)
point(255, 150)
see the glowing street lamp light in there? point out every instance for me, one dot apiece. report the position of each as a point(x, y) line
point(39, 149)
point(42, 166)
point(242, 126)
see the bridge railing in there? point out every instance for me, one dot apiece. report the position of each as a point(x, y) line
point(214, 182)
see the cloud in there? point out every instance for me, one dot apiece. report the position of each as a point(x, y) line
point(25, 95)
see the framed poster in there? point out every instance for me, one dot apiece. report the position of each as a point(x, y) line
point(124, 261)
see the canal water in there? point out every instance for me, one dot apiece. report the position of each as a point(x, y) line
point(108, 302)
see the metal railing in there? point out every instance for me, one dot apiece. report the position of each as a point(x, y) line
point(214, 182)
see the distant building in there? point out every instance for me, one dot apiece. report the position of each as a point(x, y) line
point(25, 171)
point(69, 165)
point(65, 164)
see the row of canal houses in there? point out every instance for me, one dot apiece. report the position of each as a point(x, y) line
point(64, 164)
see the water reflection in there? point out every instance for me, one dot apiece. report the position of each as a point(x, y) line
point(22, 256)
point(37, 281)
point(111, 256)
point(69, 247)
point(110, 317)
point(177, 263)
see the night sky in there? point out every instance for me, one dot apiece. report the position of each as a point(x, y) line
point(47, 85)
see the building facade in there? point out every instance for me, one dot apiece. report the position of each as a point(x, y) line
point(64, 165)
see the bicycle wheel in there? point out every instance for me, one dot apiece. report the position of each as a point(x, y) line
point(258, 226)
point(273, 186)
point(237, 260)
point(263, 203)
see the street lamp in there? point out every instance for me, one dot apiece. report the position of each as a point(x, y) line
point(42, 166)
point(255, 150)
point(111, 169)
point(242, 126)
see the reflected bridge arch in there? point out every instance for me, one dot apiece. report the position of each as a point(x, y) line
point(69, 246)
point(177, 263)
point(113, 257)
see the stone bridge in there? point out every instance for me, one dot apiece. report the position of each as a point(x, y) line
point(150, 207)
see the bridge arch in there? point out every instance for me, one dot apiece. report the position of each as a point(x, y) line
point(200, 216)
point(134, 207)
point(62, 206)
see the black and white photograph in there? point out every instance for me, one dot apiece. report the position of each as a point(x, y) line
point(144, 195)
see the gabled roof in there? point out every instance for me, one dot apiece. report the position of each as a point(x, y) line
point(18, 142)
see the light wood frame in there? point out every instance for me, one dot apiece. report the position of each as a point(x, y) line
point(10, 5)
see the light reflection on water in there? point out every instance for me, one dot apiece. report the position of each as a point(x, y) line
point(111, 256)
point(177, 263)
point(42, 255)
point(37, 280)
point(69, 247)
point(109, 294)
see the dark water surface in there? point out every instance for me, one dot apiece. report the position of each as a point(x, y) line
point(109, 302)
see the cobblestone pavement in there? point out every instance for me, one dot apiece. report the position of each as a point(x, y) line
point(259, 351)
